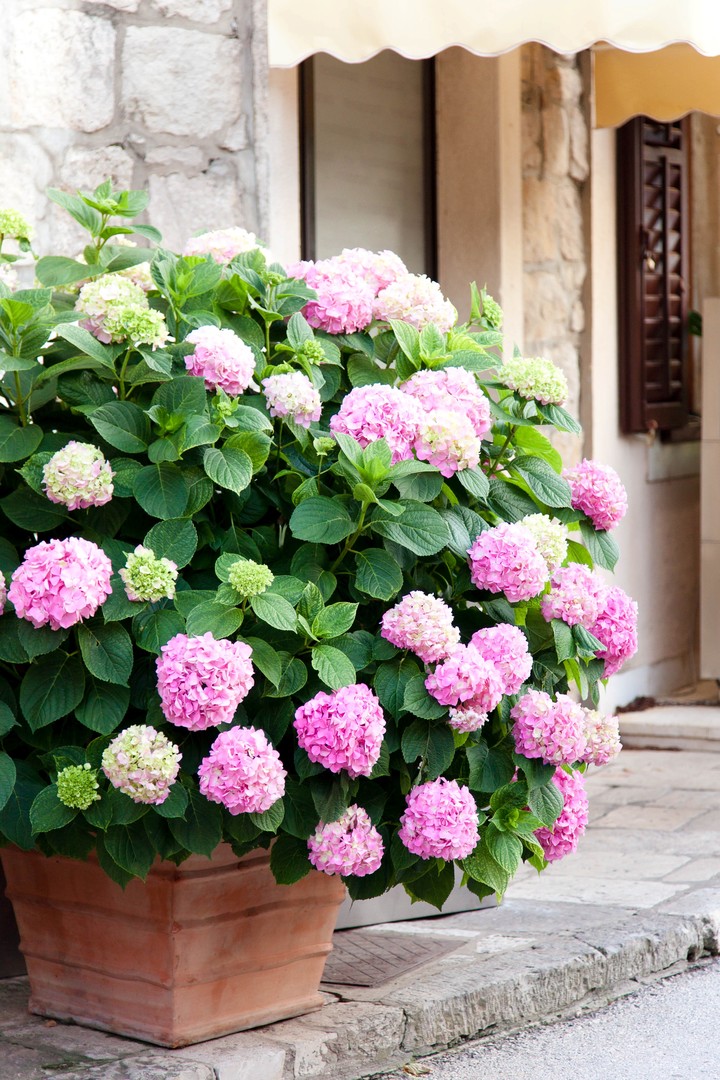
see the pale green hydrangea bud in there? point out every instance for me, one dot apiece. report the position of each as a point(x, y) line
point(146, 577)
point(312, 351)
point(535, 378)
point(13, 225)
point(551, 537)
point(141, 325)
point(323, 444)
point(249, 578)
point(272, 277)
point(77, 786)
point(492, 312)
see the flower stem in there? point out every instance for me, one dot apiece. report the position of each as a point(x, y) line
point(351, 540)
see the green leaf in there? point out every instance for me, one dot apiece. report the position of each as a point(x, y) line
point(378, 574)
point(8, 774)
point(334, 620)
point(330, 797)
point(175, 539)
point(228, 468)
point(508, 501)
point(481, 866)
point(176, 803)
point(289, 860)
point(364, 372)
point(274, 610)
point(271, 819)
point(48, 813)
point(18, 443)
point(84, 341)
point(474, 481)
point(434, 886)
point(298, 331)
point(587, 643)
point(600, 544)
point(333, 666)
point(7, 719)
point(33, 512)
point(391, 681)
point(15, 824)
point(161, 490)
point(265, 659)
point(546, 803)
point(108, 865)
point(533, 442)
point(201, 831)
point(293, 679)
point(57, 270)
point(543, 481)
point(434, 743)
point(559, 418)
point(51, 688)
point(131, 848)
point(184, 396)
point(123, 425)
point(106, 649)
point(408, 339)
point(103, 707)
point(535, 772)
point(255, 444)
point(39, 640)
point(153, 629)
point(321, 521)
point(210, 616)
point(418, 702)
point(124, 809)
point(577, 553)
point(11, 649)
point(564, 640)
point(505, 848)
point(490, 768)
point(464, 526)
point(419, 528)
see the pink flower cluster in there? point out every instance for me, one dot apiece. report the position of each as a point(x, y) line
point(350, 845)
point(243, 772)
point(563, 837)
point(598, 491)
point(78, 476)
point(506, 647)
point(221, 359)
point(466, 676)
point(3, 592)
point(551, 730)
point(202, 681)
point(60, 582)
point(440, 821)
point(506, 559)
point(223, 244)
point(448, 441)
point(292, 394)
point(466, 717)
point(574, 595)
point(142, 763)
point(423, 624)
point(344, 301)
point(415, 299)
point(603, 738)
point(451, 388)
point(376, 412)
point(378, 268)
point(343, 730)
point(616, 628)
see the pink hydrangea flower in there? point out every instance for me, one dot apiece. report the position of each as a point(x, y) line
point(506, 647)
point(142, 763)
point(202, 681)
point(376, 412)
point(378, 268)
point(603, 738)
point(547, 729)
point(466, 717)
point(440, 821)
point(78, 476)
point(448, 441)
point(243, 772)
point(60, 582)
point(221, 359)
point(343, 730)
point(466, 676)
point(574, 595)
point(350, 845)
point(3, 592)
point(506, 559)
point(598, 491)
point(293, 395)
point(563, 837)
point(104, 296)
point(223, 244)
point(344, 301)
point(423, 624)
point(451, 388)
point(616, 628)
point(417, 300)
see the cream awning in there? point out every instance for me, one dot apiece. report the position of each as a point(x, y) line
point(354, 30)
point(658, 57)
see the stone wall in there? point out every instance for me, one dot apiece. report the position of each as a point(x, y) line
point(164, 94)
point(555, 169)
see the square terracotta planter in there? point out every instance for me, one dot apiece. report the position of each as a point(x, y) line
point(195, 952)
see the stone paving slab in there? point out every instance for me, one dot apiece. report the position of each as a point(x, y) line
point(641, 899)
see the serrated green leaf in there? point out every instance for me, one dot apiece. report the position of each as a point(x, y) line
point(48, 813)
point(51, 688)
point(378, 574)
point(8, 773)
point(271, 819)
point(546, 803)
point(201, 829)
point(334, 620)
point(103, 706)
point(214, 618)
point(106, 649)
point(175, 539)
point(333, 666)
point(289, 860)
point(321, 521)
point(274, 610)
point(229, 468)
point(432, 742)
point(16, 442)
point(418, 702)
point(161, 490)
point(123, 425)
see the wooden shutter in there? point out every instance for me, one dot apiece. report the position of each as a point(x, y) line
point(653, 275)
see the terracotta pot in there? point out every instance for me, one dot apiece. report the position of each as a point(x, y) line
point(197, 951)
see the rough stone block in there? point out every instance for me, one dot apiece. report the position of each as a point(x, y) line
point(539, 230)
point(556, 141)
point(84, 168)
point(129, 6)
point(185, 157)
point(579, 163)
point(570, 222)
point(61, 70)
point(203, 11)
point(182, 82)
point(181, 206)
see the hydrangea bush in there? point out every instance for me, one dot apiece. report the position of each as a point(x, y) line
point(289, 561)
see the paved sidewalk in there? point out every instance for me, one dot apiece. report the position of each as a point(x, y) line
point(640, 899)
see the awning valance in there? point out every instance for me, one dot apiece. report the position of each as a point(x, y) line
point(355, 30)
point(665, 84)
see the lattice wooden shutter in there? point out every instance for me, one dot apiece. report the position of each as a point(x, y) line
point(653, 252)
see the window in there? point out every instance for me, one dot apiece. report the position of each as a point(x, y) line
point(653, 275)
point(368, 158)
